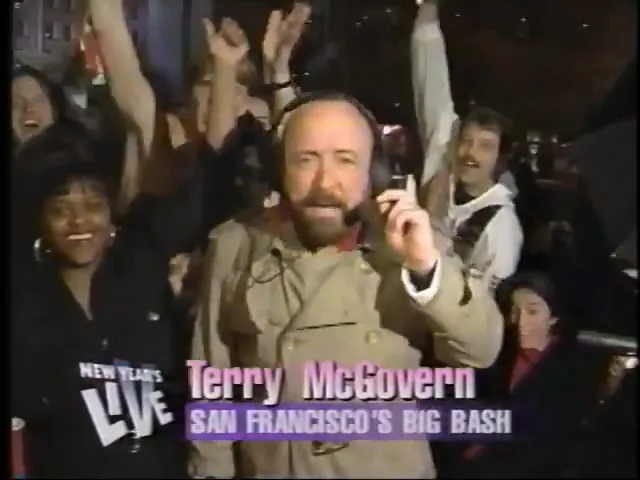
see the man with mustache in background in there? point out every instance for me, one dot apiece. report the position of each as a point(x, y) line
point(481, 215)
point(464, 161)
point(311, 280)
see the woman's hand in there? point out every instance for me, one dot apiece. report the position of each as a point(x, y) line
point(282, 34)
point(229, 44)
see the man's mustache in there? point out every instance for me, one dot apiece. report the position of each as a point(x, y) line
point(319, 199)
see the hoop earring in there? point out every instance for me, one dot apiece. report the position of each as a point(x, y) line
point(38, 254)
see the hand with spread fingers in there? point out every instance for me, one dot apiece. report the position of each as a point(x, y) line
point(282, 34)
point(408, 230)
point(229, 43)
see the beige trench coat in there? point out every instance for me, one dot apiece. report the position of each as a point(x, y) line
point(259, 277)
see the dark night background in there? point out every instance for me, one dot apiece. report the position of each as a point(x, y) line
point(544, 63)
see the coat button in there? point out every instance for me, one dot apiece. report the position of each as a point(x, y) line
point(275, 322)
point(365, 267)
point(135, 446)
point(372, 338)
point(289, 344)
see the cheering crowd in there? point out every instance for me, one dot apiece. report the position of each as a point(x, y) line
point(267, 232)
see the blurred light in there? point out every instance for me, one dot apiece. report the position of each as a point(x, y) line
point(396, 104)
point(358, 24)
point(365, 18)
point(523, 19)
point(418, 2)
point(457, 15)
point(629, 362)
point(533, 136)
point(585, 25)
point(388, 129)
point(388, 10)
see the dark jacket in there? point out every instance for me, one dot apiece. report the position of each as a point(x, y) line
point(133, 322)
point(69, 416)
point(608, 448)
point(549, 404)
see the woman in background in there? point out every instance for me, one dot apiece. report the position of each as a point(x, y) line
point(39, 107)
point(37, 102)
point(548, 380)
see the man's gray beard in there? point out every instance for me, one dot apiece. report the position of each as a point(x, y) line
point(319, 233)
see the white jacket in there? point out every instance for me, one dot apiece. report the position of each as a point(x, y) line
point(431, 89)
point(497, 252)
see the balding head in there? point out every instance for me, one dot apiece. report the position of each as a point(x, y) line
point(327, 146)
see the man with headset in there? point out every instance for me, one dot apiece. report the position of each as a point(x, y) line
point(342, 270)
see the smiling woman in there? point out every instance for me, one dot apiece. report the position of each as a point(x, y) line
point(76, 216)
point(99, 298)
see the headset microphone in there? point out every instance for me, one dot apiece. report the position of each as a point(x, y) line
point(381, 179)
point(381, 175)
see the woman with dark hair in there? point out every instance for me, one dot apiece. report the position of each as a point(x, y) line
point(97, 377)
point(37, 102)
point(33, 161)
point(548, 380)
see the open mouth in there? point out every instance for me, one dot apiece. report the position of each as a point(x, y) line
point(470, 163)
point(31, 125)
point(78, 237)
point(322, 210)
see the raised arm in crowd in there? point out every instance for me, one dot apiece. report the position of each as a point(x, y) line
point(463, 162)
point(281, 36)
point(431, 89)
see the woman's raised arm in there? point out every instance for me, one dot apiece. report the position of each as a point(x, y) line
point(129, 87)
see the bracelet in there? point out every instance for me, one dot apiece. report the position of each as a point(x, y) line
point(283, 85)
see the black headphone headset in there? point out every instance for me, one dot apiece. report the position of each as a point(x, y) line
point(379, 171)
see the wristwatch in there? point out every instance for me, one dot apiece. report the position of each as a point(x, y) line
point(280, 86)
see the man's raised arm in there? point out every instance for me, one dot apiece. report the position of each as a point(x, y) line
point(432, 92)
